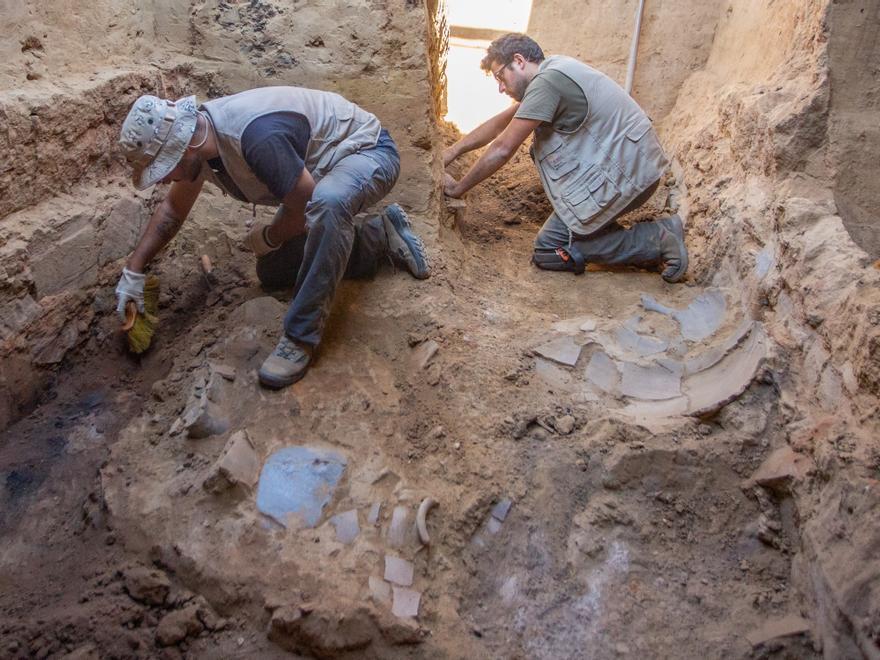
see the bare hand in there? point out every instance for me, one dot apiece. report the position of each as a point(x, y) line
point(450, 186)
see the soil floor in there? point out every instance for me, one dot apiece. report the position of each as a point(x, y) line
point(623, 539)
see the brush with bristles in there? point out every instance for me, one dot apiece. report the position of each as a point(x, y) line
point(140, 328)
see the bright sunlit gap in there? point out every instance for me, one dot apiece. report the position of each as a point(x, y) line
point(472, 96)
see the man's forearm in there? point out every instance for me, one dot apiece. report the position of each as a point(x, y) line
point(481, 135)
point(289, 221)
point(290, 218)
point(489, 163)
point(163, 226)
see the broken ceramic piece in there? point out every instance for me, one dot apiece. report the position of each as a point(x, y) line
point(297, 483)
point(638, 344)
point(399, 571)
point(373, 515)
point(602, 372)
point(652, 382)
point(346, 524)
point(406, 602)
point(398, 529)
point(563, 350)
point(785, 627)
point(423, 354)
point(501, 509)
point(698, 320)
point(715, 387)
point(380, 591)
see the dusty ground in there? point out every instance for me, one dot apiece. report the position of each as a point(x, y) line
point(669, 496)
point(620, 541)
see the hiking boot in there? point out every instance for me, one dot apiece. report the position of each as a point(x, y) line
point(286, 364)
point(673, 253)
point(405, 248)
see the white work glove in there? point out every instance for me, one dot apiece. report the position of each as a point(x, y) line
point(257, 241)
point(130, 287)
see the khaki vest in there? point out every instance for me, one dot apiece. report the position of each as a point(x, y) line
point(338, 128)
point(593, 172)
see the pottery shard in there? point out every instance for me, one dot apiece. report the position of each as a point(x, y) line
point(178, 625)
point(406, 602)
point(563, 350)
point(782, 468)
point(423, 354)
point(347, 527)
point(147, 585)
point(380, 591)
point(784, 627)
point(399, 571)
point(238, 465)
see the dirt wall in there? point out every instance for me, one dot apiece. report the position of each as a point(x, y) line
point(676, 39)
point(68, 214)
point(754, 135)
point(854, 63)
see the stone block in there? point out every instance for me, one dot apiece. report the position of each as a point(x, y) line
point(178, 625)
point(147, 585)
point(782, 468)
point(238, 466)
point(120, 231)
point(787, 626)
point(16, 314)
point(66, 258)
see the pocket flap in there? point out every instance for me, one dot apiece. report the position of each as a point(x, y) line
point(546, 146)
point(638, 131)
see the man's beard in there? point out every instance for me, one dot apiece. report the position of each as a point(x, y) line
point(518, 90)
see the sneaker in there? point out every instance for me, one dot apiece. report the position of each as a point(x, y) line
point(286, 364)
point(405, 248)
point(673, 252)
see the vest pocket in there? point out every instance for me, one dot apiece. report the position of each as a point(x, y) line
point(555, 160)
point(589, 195)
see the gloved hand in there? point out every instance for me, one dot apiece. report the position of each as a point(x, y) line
point(257, 240)
point(130, 287)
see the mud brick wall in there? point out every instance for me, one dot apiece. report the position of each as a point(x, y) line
point(438, 46)
point(854, 54)
point(676, 38)
point(68, 214)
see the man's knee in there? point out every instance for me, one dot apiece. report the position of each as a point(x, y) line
point(329, 208)
point(568, 259)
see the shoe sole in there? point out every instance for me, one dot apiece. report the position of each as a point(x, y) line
point(274, 383)
point(402, 226)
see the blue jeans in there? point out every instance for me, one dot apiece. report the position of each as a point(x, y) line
point(335, 245)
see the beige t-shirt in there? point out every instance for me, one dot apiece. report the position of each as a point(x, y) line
point(556, 99)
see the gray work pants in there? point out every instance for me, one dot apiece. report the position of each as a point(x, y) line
point(335, 245)
point(612, 244)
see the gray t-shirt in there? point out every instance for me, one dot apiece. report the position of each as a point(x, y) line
point(556, 99)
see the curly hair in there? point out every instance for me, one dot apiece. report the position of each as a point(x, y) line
point(504, 48)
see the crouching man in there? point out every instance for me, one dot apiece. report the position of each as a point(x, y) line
point(596, 152)
point(316, 156)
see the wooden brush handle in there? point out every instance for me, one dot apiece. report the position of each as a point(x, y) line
point(131, 312)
